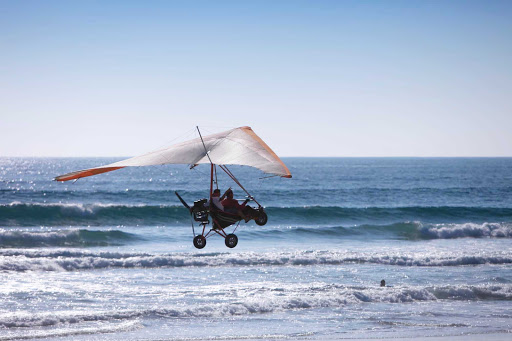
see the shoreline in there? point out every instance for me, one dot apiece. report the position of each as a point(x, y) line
point(504, 336)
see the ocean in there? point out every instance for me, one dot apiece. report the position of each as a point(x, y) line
point(110, 257)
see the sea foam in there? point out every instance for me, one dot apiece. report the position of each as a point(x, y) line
point(449, 231)
point(269, 300)
point(24, 260)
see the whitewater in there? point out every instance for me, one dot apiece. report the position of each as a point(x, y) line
point(111, 257)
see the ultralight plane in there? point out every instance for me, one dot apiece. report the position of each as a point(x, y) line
point(238, 146)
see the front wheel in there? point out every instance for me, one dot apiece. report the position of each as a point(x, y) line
point(261, 219)
point(199, 242)
point(231, 240)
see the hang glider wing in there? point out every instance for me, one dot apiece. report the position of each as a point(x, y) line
point(238, 146)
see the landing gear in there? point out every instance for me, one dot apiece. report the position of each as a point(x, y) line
point(261, 219)
point(231, 240)
point(204, 214)
point(200, 242)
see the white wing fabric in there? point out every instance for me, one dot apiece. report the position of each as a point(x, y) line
point(239, 146)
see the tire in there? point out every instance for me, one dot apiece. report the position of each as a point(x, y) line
point(231, 240)
point(261, 219)
point(199, 242)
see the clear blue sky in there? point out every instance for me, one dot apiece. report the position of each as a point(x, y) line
point(312, 78)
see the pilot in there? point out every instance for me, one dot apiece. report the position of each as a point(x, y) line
point(216, 199)
point(232, 206)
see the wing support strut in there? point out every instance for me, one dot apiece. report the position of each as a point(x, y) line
point(211, 163)
point(232, 176)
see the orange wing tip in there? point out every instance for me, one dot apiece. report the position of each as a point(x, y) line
point(251, 132)
point(84, 173)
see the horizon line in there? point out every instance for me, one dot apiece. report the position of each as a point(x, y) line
point(310, 157)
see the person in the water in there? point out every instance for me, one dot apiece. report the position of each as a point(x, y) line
point(383, 283)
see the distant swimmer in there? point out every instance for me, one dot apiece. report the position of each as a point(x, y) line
point(383, 283)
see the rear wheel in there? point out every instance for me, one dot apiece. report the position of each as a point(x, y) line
point(261, 219)
point(231, 240)
point(199, 242)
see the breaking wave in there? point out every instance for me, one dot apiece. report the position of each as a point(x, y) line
point(20, 214)
point(65, 260)
point(449, 231)
point(61, 238)
point(272, 299)
point(73, 237)
point(405, 230)
point(62, 329)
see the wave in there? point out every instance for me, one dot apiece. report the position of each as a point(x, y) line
point(16, 238)
point(393, 214)
point(450, 231)
point(272, 298)
point(19, 214)
point(404, 230)
point(65, 260)
point(68, 238)
point(64, 331)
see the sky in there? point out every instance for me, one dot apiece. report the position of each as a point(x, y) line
point(312, 78)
